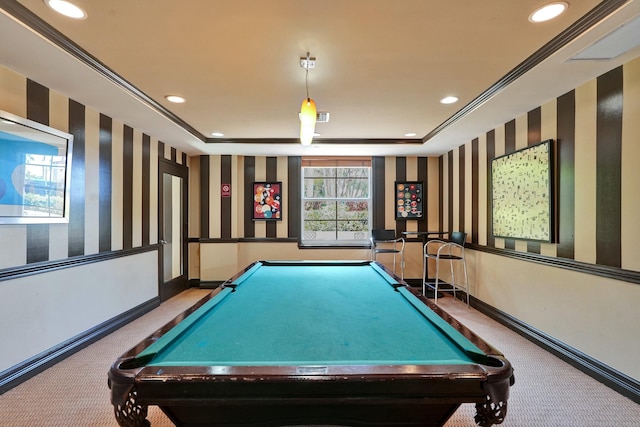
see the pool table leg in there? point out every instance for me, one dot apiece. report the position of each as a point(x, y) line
point(130, 413)
point(490, 413)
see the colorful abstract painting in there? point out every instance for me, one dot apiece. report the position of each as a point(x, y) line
point(267, 201)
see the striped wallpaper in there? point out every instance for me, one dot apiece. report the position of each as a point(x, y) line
point(223, 218)
point(113, 197)
point(115, 180)
point(596, 129)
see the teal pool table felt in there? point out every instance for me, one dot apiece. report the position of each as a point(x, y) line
point(313, 315)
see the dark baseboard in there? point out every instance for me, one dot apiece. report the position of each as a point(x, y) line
point(610, 377)
point(33, 366)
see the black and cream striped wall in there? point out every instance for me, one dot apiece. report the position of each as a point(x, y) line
point(225, 238)
point(114, 180)
point(596, 129)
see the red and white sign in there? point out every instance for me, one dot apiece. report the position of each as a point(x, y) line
point(226, 190)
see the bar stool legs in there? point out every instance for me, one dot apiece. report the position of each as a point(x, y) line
point(441, 251)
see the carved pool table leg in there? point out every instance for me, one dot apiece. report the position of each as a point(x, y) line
point(490, 413)
point(131, 414)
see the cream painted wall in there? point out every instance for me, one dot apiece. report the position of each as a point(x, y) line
point(194, 216)
point(630, 170)
point(117, 181)
point(595, 315)
point(433, 202)
point(220, 261)
point(58, 119)
point(250, 252)
point(92, 181)
point(50, 308)
point(585, 159)
point(14, 92)
point(136, 238)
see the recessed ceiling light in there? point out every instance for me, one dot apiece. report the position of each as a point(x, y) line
point(548, 11)
point(175, 99)
point(217, 134)
point(66, 8)
point(449, 100)
point(410, 134)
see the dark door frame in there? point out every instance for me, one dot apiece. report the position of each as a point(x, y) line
point(173, 287)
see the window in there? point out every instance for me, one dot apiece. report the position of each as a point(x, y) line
point(336, 202)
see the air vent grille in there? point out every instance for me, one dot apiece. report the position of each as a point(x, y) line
point(322, 117)
point(617, 42)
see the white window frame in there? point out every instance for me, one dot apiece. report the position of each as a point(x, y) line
point(363, 240)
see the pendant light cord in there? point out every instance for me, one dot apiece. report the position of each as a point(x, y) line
point(306, 78)
point(306, 82)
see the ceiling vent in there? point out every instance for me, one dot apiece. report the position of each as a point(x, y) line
point(322, 117)
point(619, 41)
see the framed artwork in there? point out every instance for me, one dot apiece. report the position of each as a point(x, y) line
point(408, 203)
point(267, 201)
point(35, 172)
point(522, 194)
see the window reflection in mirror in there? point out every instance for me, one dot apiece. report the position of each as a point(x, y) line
point(35, 169)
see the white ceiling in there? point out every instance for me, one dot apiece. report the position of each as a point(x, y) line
point(382, 67)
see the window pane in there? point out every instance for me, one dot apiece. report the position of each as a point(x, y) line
point(352, 188)
point(354, 236)
point(318, 188)
point(353, 210)
point(320, 226)
point(353, 172)
point(319, 172)
point(320, 235)
point(353, 226)
point(325, 210)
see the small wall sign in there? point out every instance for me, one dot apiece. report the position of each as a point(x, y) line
point(226, 190)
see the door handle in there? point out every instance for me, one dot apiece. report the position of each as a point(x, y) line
point(163, 242)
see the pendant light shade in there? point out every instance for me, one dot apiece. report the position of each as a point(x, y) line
point(307, 121)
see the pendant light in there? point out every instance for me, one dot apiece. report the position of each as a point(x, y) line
point(308, 112)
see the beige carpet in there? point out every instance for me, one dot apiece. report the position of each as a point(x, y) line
point(548, 392)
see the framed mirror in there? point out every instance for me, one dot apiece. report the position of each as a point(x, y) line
point(35, 172)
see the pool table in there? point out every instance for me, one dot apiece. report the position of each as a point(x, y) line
point(311, 342)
